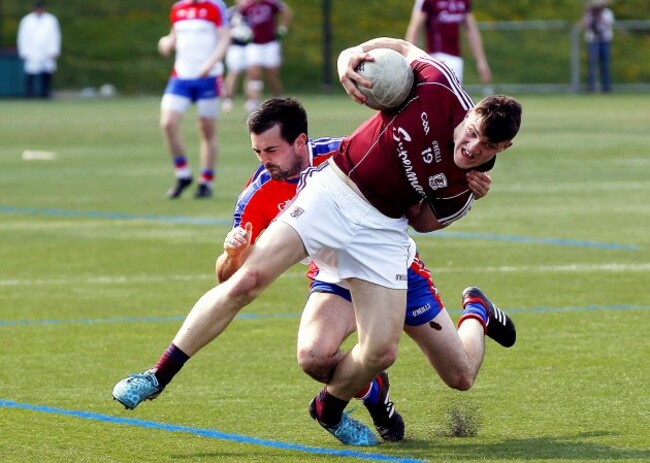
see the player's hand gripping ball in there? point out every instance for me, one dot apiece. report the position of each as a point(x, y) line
point(391, 77)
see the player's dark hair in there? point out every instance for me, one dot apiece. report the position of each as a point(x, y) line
point(500, 117)
point(286, 112)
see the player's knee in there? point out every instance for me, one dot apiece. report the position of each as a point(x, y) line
point(381, 357)
point(315, 364)
point(168, 125)
point(255, 86)
point(459, 380)
point(247, 285)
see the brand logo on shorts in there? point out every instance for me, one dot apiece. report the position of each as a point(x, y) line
point(401, 277)
point(421, 310)
point(297, 212)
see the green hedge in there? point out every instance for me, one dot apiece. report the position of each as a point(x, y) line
point(114, 41)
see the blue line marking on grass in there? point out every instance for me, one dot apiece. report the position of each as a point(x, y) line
point(221, 221)
point(275, 316)
point(209, 433)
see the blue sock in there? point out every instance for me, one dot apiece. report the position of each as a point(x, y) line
point(477, 310)
point(372, 396)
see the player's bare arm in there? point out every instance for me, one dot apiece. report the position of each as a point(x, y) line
point(223, 34)
point(422, 219)
point(476, 45)
point(167, 43)
point(350, 59)
point(237, 247)
point(415, 27)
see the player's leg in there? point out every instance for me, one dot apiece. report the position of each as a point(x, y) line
point(236, 65)
point(254, 84)
point(379, 326)
point(455, 355)
point(326, 321)
point(208, 113)
point(272, 63)
point(174, 104)
point(276, 250)
point(273, 78)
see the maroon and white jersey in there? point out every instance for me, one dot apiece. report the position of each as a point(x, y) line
point(444, 19)
point(195, 25)
point(398, 158)
point(261, 17)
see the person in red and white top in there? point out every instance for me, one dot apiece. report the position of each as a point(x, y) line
point(441, 22)
point(269, 21)
point(200, 34)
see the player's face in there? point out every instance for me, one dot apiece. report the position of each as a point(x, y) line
point(283, 160)
point(471, 147)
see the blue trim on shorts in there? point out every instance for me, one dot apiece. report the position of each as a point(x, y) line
point(204, 88)
point(421, 304)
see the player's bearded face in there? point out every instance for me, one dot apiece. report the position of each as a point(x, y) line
point(282, 160)
point(291, 168)
point(471, 147)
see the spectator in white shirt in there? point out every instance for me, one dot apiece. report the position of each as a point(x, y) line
point(39, 45)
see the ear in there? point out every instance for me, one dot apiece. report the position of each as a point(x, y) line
point(505, 145)
point(301, 140)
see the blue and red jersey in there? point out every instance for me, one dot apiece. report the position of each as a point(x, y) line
point(263, 198)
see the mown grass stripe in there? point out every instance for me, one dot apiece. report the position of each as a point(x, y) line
point(209, 433)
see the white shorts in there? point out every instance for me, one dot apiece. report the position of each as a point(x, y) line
point(268, 55)
point(454, 62)
point(346, 236)
point(208, 109)
point(236, 58)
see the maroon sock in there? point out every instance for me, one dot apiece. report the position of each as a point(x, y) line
point(169, 364)
point(329, 409)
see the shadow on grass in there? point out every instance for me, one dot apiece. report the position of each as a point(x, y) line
point(578, 447)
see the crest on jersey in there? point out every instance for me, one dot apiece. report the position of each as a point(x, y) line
point(437, 181)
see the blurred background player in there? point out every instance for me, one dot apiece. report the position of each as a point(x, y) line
point(200, 35)
point(441, 23)
point(269, 21)
point(598, 23)
point(240, 37)
point(39, 45)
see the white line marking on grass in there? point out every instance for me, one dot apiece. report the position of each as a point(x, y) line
point(209, 433)
point(139, 279)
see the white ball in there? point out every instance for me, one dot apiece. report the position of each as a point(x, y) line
point(391, 77)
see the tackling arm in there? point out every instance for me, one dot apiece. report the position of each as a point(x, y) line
point(237, 247)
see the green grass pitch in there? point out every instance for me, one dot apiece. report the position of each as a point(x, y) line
point(97, 270)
